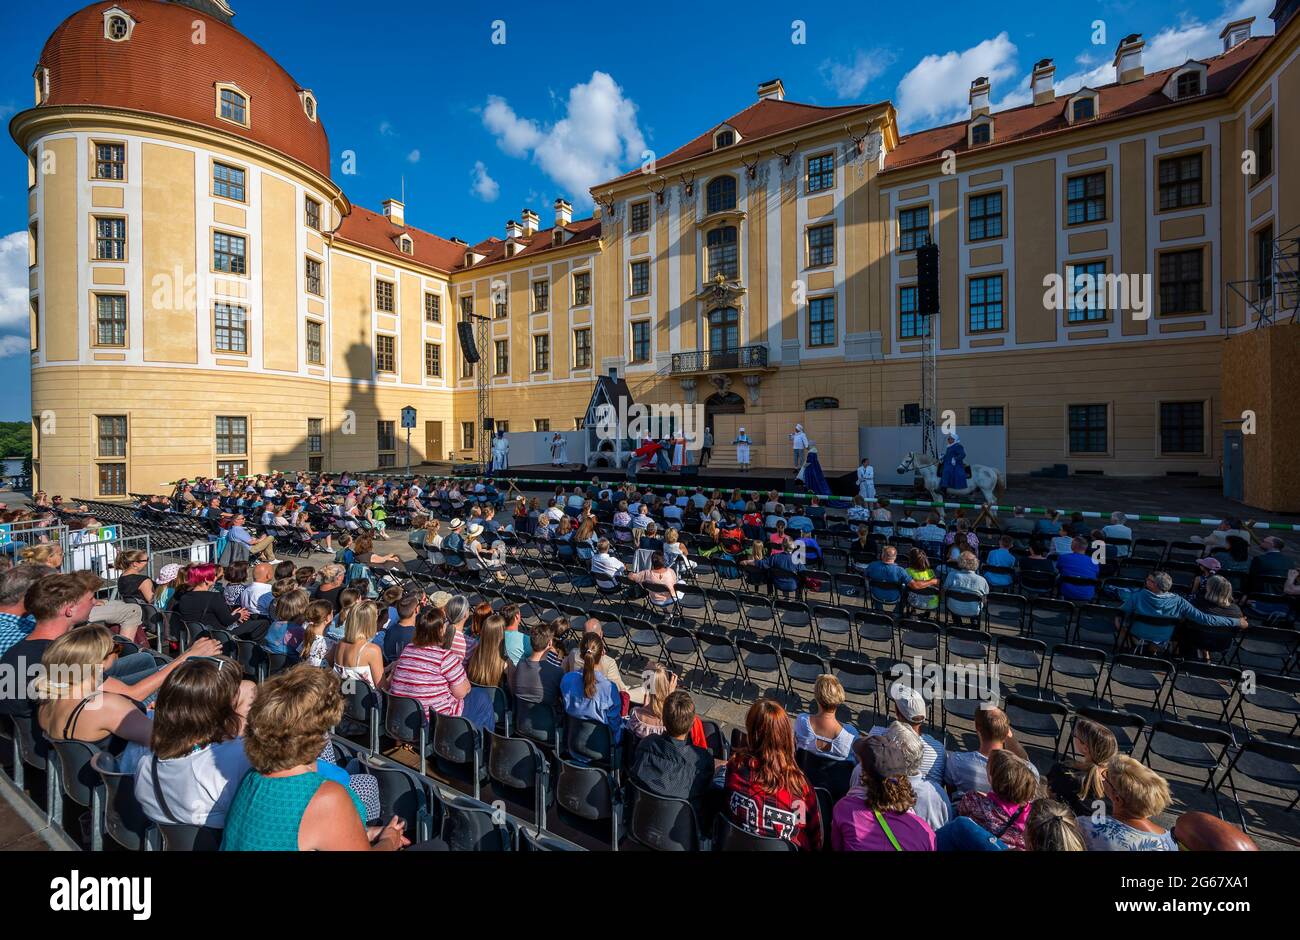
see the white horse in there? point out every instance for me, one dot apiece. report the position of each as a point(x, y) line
point(987, 481)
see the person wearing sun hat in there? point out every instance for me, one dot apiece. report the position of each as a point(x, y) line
point(454, 542)
point(876, 816)
point(165, 585)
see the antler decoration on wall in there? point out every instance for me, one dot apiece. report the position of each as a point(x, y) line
point(688, 185)
point(751, 169)
point(787, 157)
point(607, 204)
point(859, 143)
point(659, 193)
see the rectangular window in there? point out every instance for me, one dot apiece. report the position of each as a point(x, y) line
point(110, 239)
point(466, 368)
point(541, 296)
point(641, 341)
point(112, 435)
point(1085, 199)
point(640, 276)
point(985, 303)
point(501, 306)
point(228, 181)
point(229, 253)
point(386, 461)
point(315, 464)
point(981, 133)
point(821, 321)
point(582, 349)
point(384, 296)
point(313, 277)
point(1180, 182)
point(913, 228)
point(467, 306)
point(432, 361)
point(984, 217)
point(542, 352)
point(1263, 140)
point(110, 161)
point(112, 479)
point(385, 354)
point(987, 417)
point(1087, 299)
point(315, 354)
point(1182, 427)
point(501, 353)
point(311, 214)
point(821, 245)
point(315, 435)
point(232, 435)
point(432, 308)
point(232, 468)
point(582, 288)
point(640, 217)
point(233, 106)
point(821, 172)
point(110, 319)
point(911, 325)
point(1088, 429)
point(1084, 109)
point(386, 433)
point(1182, 281)
point(231, 328)
point(541, 424)
point(1264, 262)
point(467, 435)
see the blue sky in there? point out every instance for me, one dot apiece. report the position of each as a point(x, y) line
point(478, 129)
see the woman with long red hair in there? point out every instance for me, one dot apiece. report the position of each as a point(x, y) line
point(766, 792)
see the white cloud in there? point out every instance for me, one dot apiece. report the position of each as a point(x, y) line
point(849, 81)
point(937, 88)
point(413, 156)
point(386, 129)
point(14, 346)
point(485, 187)
point(597, 138)
point(13, 282)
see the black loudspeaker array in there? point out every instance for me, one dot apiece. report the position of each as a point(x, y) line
point(465, 330)
point(927, 280)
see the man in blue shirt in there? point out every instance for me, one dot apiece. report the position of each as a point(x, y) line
point(1077, 564)
point(1156, 599)
point(263, 546)
point(15, 621)
point(1000, 557)
point(886, 577)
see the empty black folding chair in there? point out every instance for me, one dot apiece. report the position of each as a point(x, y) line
point(519, 769)
point(861, 680)
point(824, 772)
point(1050, 619)
point(472, 826)
point(1276, 696)
point(759, 660)
point(589, 799)
point(404, 793)
point(1191, 746)
point(1139, 673)
point(1271, 763)
point(1077, 662)
point(1024, 656)
point(802, 667)
point(124, 818)
point(1007, 611)
point(1032, 717)
point(407, 722)
point(832, 624)
point(919, 638)
point(662, 823)
point(728, 837)
point(874, 627)
point(717, 650)
point(457, 747)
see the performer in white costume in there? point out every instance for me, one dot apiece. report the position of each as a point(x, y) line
point(679, 451)
point(742, 443)
point(867, 481)
point(559, 450)
point(500, 453)
point(799, 441)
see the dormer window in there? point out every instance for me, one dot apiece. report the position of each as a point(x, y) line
point(308, 105)
point(232, 104)
point(1188, 85)
point(117, 25)
point(724, 139)
point(41, 77)
point(1081, 107)
point(406, 245)
point(981, 132)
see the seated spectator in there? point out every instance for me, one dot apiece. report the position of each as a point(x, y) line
point(766, 792)
point(517, 643)
point(967, 771)
point(1052, 828)
point(197, 742)
point(647, 719)
point(166, 583)
point(356, 657)
point(331, 584)
point(1002, 810)
point(1156, 599)
point(487, 668)
point(1019, 527)
point(910, 709)
point(287, 630)
point(779, 568)
point(1215, 598)
point(608, 666)
point(537, 676)
point(667, 763)
point(800, 522)
point(676, 552)
point(1270, 563)
point(1218, 539)
point(430, 669)
point(363, 552)
point(234, 579)
point(821, 732)
point(590, 694)
point(965, 578)
point(133, 583)
point(1077, 563)
point(932, 535)
point(886, 577)
point(284, 803)
point(1037, 560)
point(659, 580)
point(16, 622)
point(1136, 793)
point(402, 630)
point(882, 519)
point(932, 803)
point(1235, 556)
point(1001, 557)
point(920, 576)
point(1076, 781)
point(962, 537)
point(316, 645)
point(876, 815)
point(605, 568)
point(1118, 529)
point(858, 512)
point(200, 604)
point(1078, 526)
point(263, 547)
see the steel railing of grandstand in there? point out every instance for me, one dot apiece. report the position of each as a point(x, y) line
point(193, 554)
point(16, 536)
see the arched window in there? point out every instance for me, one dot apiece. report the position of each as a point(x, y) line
point(724, 330)
point(721, 244)
point(720, 195)
point(821, 404)
point(724, 139)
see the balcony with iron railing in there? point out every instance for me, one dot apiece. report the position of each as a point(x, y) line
point(739, 359)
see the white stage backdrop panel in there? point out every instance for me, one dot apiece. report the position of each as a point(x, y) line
point(887, 446)
point(534, 447)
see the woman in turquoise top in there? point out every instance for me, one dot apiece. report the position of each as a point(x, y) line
point(284, 804)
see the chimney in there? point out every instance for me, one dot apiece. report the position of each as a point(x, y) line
point(1043, 81)
point(457, 240)
point(563, 212)
point(771, 89)
point(1128, 59)
point(979, 96)
point(395, 211)
point(514, 229)
point(530, 221)
point(1236, 32)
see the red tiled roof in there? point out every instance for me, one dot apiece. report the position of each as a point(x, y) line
point(1116, 101)
point(374, 230)
point(764, 118)
point(160, 70)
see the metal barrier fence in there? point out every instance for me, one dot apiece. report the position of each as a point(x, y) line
point(15, 536)
point(97, 550)
point(195, 553)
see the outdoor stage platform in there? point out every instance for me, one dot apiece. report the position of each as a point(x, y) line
point(781, 479)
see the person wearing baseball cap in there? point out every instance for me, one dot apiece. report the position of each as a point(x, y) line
point(911, 710)
point(876, 816)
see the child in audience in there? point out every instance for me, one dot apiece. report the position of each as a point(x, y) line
point(287, 631)
point(315, 644)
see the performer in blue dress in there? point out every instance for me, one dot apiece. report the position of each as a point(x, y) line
point(812, 475)
point(953, 472)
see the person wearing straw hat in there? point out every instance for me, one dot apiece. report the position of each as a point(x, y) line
point(454, 541)
point(742, 443)
point(490, 560)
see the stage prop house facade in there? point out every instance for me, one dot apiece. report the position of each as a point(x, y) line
point(205, 298)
